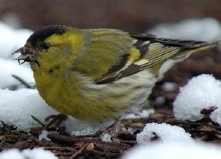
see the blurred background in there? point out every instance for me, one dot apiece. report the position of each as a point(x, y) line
point(128, 15)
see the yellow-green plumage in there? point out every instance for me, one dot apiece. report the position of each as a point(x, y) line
point(94, 74)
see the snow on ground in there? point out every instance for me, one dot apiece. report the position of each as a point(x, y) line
point(165, 133)
point(9, 67)
point(36, 153)
point(205, 29)
point(17, 106)
point(201, 92)
point(167, 150)
point(158, 141)
point(11, 39)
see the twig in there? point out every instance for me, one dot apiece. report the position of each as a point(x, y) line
point(99, 145)
point(23, 81)
point(77, 154)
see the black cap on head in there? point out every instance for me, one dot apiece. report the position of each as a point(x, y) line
point(45, 32)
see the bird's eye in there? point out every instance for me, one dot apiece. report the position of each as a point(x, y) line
point(46, 46)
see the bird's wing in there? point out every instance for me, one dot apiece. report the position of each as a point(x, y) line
point(153, 52)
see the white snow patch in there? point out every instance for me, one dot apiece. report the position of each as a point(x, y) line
point(201, 92)
point(174, 151)
point(36, 153)
point(12, 39)
point(165, 133)
point(10, 67)
point(206, 29)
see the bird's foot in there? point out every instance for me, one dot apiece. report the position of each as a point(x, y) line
point(55, 119)
point(112, 129)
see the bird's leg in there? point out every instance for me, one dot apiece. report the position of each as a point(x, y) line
point(112, 129)
point(55, 119)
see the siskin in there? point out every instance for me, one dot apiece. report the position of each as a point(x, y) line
point(96, 74)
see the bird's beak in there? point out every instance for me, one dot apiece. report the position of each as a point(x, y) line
point(27, 54)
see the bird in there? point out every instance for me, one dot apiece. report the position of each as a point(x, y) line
point(100, 74)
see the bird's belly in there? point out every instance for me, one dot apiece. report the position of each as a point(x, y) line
point(96, 102)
